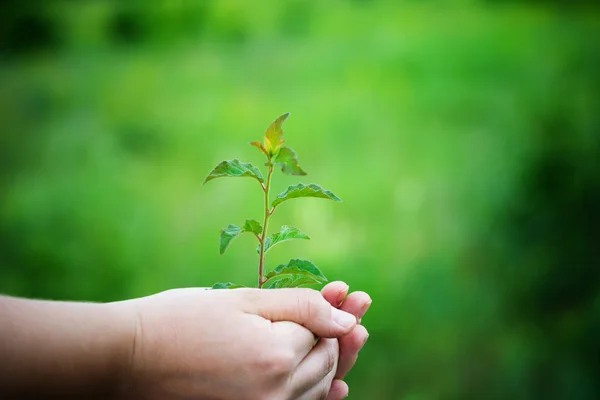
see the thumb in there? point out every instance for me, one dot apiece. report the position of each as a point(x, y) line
point(306, 307)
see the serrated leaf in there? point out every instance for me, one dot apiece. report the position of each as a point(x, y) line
point(291, 281)
point(227, 285)
point(302, 190)
point(227, 235)
point(252, 225)
point(260, 147)
point(288, 161)
point(273, 140)
point(234, 169)
point(297, 266)
point(286, 233)
point(232, 231)
point(293, 271)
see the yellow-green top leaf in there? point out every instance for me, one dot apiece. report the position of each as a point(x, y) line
point(260, 147)
point(273, 137)
point(234, 169)
point(302, 190)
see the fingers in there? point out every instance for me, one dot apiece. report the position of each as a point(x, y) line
point(312, 378)
point(339, 390)
point(350, 345)
point(303, 306)
point(326, 389)
point(335, 293)
point(357, 304)
point(300, 339)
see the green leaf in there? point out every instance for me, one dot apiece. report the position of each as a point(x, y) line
point(227, 235)
point(302, 190)
point(232, 231)
point(291, 281)
point(286, 233)
point(295, 273)
point(273, 140)
point(252, 225)
point(227, 285)
point(234, 168)
point(288, 161)
point(298, 266)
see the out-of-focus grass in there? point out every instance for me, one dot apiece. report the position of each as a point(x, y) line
point(422, 119)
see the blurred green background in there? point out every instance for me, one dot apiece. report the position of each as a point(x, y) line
point(463, 137)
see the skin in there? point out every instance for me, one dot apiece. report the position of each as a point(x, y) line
point(184, 344)
point(357, 304)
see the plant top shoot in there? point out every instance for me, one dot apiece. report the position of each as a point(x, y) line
point(296, 272)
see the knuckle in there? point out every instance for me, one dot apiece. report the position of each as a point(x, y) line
point(324, 393)
point(323, 390)
point(310, 304)
point(278, 365)
point(331, 358)
point(329, 354)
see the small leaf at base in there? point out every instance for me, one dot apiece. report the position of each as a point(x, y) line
point(227, 285)
point(302, 190)
point(234, 169)
point(295, 273)
point(290, 281)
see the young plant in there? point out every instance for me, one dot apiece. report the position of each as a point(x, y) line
point(296, 272)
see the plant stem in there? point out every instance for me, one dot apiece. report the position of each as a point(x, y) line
point(263, 236)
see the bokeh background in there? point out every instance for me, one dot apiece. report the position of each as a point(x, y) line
point(463, 137)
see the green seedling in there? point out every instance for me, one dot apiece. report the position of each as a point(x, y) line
point(296, 272)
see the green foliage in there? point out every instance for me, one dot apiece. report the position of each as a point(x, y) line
point(227, 235)
point(290, 281)
point(288, 161)
point(234, 169)
point(227, 285)
point(286, 233)
point(273, 137)
point(232, 231)
point(297, 272)
point(252, 225)
point(302, 190)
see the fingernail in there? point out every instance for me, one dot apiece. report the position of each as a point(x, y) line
point(364, 310)
point(341, 296)
point(365, 341)
point(343, 319)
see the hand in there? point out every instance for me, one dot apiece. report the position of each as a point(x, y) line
point(357, 304)
point(235, 344)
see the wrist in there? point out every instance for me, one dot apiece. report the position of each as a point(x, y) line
point(123, 329)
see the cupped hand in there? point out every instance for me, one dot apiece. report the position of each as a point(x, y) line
point(237, 344)
point(357, 304)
